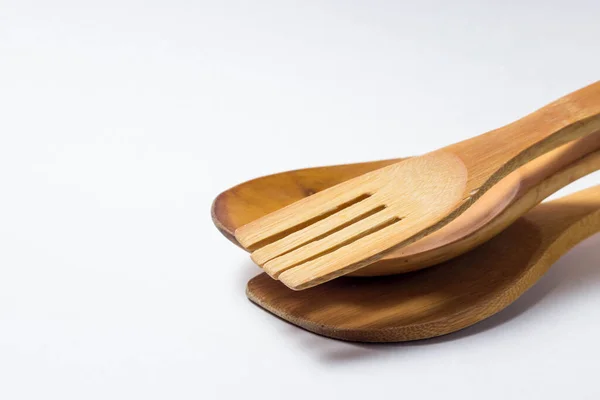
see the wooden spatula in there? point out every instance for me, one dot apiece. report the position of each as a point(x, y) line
point(444, 298)
point(351, 225)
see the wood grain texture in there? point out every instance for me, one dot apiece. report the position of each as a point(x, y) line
point(258, 197)
point(444, 298)
point(497, 209)
point(351, 225)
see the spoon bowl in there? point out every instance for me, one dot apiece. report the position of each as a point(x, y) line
point(493, 212)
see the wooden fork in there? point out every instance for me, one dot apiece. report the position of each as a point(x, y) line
point(351, 225)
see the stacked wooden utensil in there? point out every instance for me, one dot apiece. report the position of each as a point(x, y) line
point(419, 247)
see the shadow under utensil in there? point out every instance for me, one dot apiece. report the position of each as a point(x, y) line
point(248, 271)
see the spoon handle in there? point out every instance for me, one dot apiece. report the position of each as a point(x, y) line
point(491, 156)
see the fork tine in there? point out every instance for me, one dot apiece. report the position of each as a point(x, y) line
point(318, 229)
point(300, 212)
point(340, 262)
point(300, 255)
point(347, 259)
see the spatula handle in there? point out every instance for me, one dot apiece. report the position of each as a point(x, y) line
point(492, 156)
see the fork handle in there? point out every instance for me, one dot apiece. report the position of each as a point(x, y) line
point(493, 155)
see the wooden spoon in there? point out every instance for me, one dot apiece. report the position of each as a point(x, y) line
point(441, 299)
point(497, 209)
point(351, 225)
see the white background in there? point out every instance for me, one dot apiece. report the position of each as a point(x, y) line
point(121, 120)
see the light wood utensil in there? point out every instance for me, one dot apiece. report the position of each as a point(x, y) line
point(352, 225)
point(444, 298)
point(498, 208)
